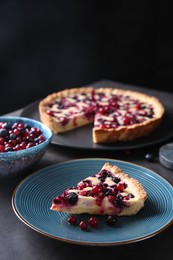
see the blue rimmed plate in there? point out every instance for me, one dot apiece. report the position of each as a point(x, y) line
point(31, 202)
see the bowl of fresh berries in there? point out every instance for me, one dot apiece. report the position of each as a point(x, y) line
point(23, 141)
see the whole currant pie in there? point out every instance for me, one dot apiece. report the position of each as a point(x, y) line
point(108, 192)
point(117, 115)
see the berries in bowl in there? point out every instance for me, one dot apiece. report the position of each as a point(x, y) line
point(23, 141)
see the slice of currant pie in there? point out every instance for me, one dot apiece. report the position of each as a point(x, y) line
point(109, 192)
point(117, 115)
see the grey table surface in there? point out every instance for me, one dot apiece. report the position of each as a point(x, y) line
point(18, 241)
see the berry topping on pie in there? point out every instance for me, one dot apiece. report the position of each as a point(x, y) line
point(116, 114)
point(109, 192)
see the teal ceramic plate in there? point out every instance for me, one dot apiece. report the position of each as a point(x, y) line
point(32, 200)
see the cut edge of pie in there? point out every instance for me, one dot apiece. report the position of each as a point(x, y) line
point(102, 135)
point(56, 125)
point(111, 200)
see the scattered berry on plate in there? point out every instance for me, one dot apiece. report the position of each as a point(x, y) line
point(149, 157)
point(83, 225)
point(93, 221)
point(111, 220)
point(72, 220)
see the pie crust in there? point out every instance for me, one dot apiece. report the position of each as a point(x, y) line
point(105, 205)
point(122, 132)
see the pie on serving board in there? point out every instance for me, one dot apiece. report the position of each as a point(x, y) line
point(116, 114)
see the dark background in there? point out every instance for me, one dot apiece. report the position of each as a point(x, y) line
point(46, 46)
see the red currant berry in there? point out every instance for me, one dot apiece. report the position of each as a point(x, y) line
point(8, 145)
point(50, 112)
point(138, 106)
point(2, 148)
point(83, 225)
point(127, 120)
point(120, 186)
point(81, 185)
point(72, 220)
point(17, 147)
point(21, 125)
point(19, 139)
point(111, 198)
point(2, 140)
point(97, 189)
point(41, 138)
point(29, 145)
point(16, 131)
point(13, 142)
point(93, 221)
point(23, 145)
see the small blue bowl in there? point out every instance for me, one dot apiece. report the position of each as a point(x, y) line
point(14, 162)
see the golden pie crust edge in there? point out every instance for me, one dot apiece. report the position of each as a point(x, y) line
point(134, 187)
point(124, 133)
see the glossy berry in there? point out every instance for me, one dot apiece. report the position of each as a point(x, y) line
point(149, 157)
point(12, 136)
point(97, 189)
point(93, 221)
point(2, 148)
point(6, 125)
point(51, 113)
point(8, 149)
point(72, 220)
point(58, 200)
point(126, 198)
point(72, 198)
point(2, 140)
point(120, 186)
point(138, 106)
point(3, 132)
point(81, 185)
point(30, 144)
point(23, 145)
point(104, 173)
point(83, 225)
point(127, 120)
point(16, 131)
point(111, 220)
point(130, 195)
point(116, 179)
point(111, 198)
